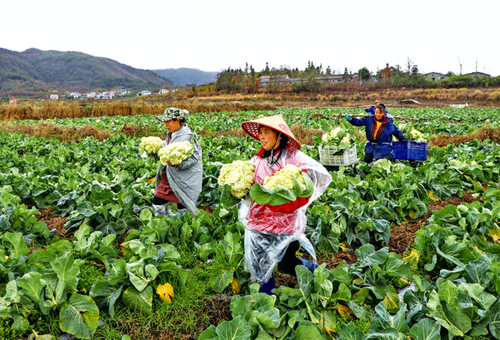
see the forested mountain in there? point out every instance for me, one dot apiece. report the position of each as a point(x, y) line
point(187, 76)
point(34, 71)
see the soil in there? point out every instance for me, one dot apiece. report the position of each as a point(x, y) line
point(54, 222)
point(208, 209)
point(217, 309)
point(402, 236)
point(281, 279)
point(344, 254)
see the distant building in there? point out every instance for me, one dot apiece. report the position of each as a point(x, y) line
point(108, 95)
point(275, 80)
point(75, 95)
point(54, 97)
point(163, 91)
point(434, 76)
point(144, 93)
point(285, 79)
point(91, 95)
point(478, 74)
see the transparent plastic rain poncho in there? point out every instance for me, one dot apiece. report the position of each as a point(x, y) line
point(268, 233)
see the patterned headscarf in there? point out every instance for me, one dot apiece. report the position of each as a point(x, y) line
point(172, 113)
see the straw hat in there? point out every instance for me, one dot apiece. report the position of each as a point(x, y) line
point(274, 122)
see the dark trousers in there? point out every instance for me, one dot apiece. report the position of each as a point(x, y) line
point(159, 201)
point(290, 260)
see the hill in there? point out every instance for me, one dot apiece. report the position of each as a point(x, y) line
point(35, 72)
point(187, 76)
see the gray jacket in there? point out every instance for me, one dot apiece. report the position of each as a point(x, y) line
point(186, 179)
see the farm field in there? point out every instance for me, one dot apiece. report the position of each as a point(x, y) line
point(407, 249)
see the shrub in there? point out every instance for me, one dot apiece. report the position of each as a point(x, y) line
point(336, 97)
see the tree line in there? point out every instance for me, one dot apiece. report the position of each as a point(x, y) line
point(247, 80)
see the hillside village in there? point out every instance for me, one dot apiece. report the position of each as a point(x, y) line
point(107, 94)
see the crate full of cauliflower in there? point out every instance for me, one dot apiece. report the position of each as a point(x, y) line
point(338, 147)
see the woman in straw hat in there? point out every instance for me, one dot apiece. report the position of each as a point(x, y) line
point(178, 184)
point(273, 234)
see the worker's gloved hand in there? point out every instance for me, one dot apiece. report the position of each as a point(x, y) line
point(347, 117)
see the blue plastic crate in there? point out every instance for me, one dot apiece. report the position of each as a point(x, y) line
point(413, 151)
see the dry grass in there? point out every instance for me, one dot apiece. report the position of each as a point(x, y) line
point(75, 109)
point(482, 134)
point(49, 130)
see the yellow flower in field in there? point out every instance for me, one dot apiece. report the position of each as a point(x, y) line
point(430, 194)
point(235, 286)
point(166, 292)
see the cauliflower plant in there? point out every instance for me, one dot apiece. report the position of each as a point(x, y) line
point(283, 178)
point(175, 152)
point(150, 145)
point(239, 176)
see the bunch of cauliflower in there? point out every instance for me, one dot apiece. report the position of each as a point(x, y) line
point(336, 136)
point(338, 139)
point(411, 133)
point(150, 145)
point(417, 136)
point(283, 177)
point(175, 152)
point(239, 176)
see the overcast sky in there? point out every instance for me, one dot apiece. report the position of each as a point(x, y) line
point(436, 35)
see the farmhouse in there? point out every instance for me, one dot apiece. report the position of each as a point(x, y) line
point(434, 76)
point(54, 97)
point(144, 93)
point(75, 95)
point(275, 80)
point(285, 79)
point(108, 95)
point(478, 74)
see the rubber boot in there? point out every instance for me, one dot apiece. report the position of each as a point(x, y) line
point(267, 287)
point(309, 265)
point(161, 210)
